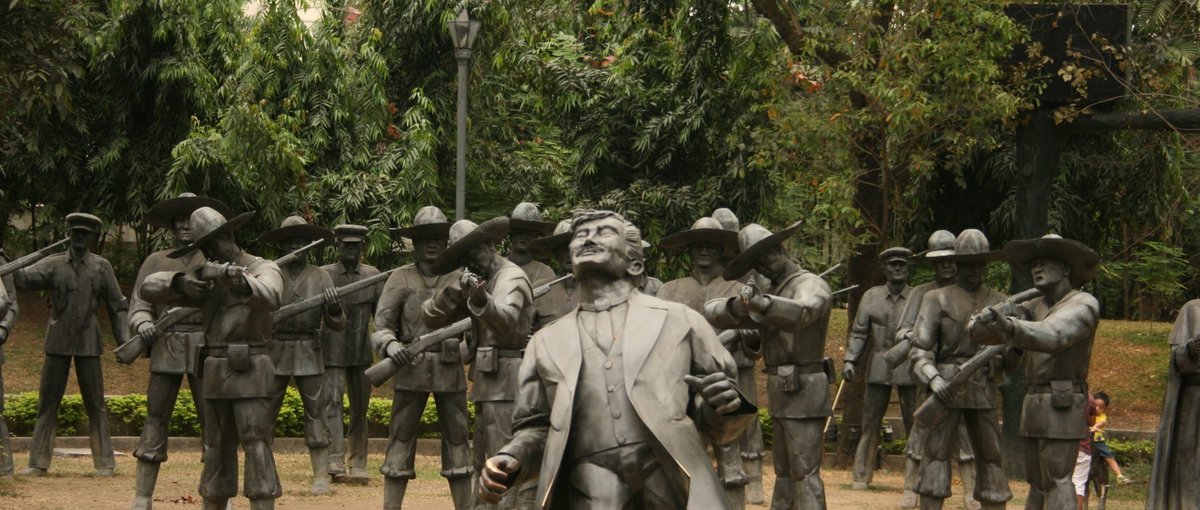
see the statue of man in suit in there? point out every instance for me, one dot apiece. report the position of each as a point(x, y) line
point(645, 384)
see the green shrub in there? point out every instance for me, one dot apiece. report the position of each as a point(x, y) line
point(1137, 451)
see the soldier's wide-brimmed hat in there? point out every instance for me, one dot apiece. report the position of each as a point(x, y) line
point(971, 247)
point(1084, 261)
point(895, 253)
point(294, 227)
point(428, 222)
point(941, 244)
point(83, 221)
point(465, 235)
point(163, 214)
point(561, 237)
point(754, 240)
point(207, 224)
point(526, 216)
point(704, 230)
point(350, 233)
point(728, 220)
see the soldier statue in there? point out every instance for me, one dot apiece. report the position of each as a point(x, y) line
point(1173, 481)
point(875, 324)
point(295, 345)
point(940, 244)
point(174, 351)
point(79, 282)
point(438, 371)
point(9, 309)
point(562, 298)
point(347, 355)
point(1052, 337)
point(792, 317)
point(705, 242)
point(617, 400)
point(495, 294)
point(236, 293)
point(746, 350)
point(941, 343)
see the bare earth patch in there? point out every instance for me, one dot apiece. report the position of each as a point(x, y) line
point(72, 486)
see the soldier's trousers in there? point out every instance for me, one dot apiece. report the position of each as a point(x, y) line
point(493, 430)
point(6, 458)
point(407, 407)
point(55, 370)
point(874, 407)
point(941, 440)
point(316, 433)
point(161, 394)
point(1049, 467)
point(228, 422)
point(751, 441)
point(352, 381)
point(797, 449)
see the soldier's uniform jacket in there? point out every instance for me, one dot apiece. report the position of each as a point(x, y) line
point(230, 320)
point(296, 342)
point(351, 347)
point(693, 293)
point(78, 287)
point(793, 332)
point(878, 317)
point(177, 349)
point(499, 330)
point(399, 312)
point(1055, 343)
point(912, 305)
point(539, 273)
point(940, 338)
point(561, 300)
point(9, 319)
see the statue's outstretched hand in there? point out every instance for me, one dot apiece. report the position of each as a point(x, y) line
point(497, 477)
point(718, 390)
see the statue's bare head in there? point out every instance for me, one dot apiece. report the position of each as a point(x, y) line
point(604, 244)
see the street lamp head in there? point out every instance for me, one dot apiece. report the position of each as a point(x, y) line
point(463, 30)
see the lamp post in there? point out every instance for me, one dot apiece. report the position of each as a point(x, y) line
point(463, 30)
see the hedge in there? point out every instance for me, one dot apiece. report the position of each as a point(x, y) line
point(127, 413)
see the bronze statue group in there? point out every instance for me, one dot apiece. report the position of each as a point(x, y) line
point(594, 388)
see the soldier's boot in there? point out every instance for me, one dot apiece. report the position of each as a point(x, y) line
point(931, 503)
point(784, 497)
point(320, 465)
point(462, 491)
point(143, 489)
point(393, 492)
point(754, 489)
point(966, 470)
point(215, 504)
point(263, 504)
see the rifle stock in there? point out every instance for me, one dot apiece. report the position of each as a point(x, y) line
point(380, 372)
point(933, 410)
point(311, 302)
point(29, 258)
point(135, 347)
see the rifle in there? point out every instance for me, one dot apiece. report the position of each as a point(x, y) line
point(311, 302)
point(30, 258)
point(830, 270)
point(380, 372)
point(847, 289)
point(933, 410)
point(136, 346)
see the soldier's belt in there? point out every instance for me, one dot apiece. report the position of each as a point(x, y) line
point(186, 328)
point(221, 352)
point(812, 367)
point(510, 353)
point(1045, 388)
point(289, 336)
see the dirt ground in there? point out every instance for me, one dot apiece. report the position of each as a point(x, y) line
point(72, 485)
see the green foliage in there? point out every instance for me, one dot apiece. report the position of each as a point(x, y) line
point(1136, 451)
point(185, 421)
